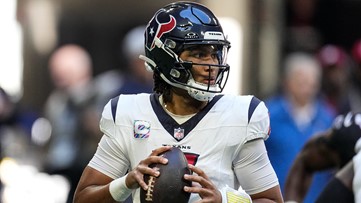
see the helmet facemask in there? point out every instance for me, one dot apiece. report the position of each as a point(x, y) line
point(181, 74)
point(215, 83)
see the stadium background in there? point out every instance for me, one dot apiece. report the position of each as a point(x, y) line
point(100, 25)
point(261, 32)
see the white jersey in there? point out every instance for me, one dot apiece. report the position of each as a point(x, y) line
point(134, 125)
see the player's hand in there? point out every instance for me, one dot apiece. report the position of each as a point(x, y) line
point(202, 185)
point(135, 177)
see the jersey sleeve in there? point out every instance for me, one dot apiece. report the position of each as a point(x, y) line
point(258, 120)
point(251, 163)
point(109, 157)
point(253, 168)
point(107, 121)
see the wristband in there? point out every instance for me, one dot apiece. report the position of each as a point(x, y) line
point(230, 195)
point(119, 190)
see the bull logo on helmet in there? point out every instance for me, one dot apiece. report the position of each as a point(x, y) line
point(156, 29)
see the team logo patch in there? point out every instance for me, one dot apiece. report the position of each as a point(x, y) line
point(178, 133)
point(141, 129)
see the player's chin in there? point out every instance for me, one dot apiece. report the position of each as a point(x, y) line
point(207, 82)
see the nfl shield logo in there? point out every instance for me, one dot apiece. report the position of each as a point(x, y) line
point(178, 133)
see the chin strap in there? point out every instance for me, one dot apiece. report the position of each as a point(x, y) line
point(200, 95)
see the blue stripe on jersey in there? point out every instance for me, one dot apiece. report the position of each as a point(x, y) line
point(252, 106)
point(114, 104)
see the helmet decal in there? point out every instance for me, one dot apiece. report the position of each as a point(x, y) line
point(160, 27)
point(214, 35)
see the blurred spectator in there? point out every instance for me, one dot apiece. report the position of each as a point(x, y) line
point(355, 87)
point(335, 71)
point(302, 33)
point(70, 110)
point(296, 114)
point(15, 129)
point(15, 134)
point(133, 77)
point(6, 117)
point(132, 47)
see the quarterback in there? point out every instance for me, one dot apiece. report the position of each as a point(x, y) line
point(222, 136)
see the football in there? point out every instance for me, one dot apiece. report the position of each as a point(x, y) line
point(168, 186)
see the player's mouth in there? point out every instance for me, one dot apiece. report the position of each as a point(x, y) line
point(209, 80)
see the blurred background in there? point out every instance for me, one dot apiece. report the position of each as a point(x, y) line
point(262, 32)
point(32, 29)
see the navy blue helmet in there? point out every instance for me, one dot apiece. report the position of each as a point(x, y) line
point(175, 28)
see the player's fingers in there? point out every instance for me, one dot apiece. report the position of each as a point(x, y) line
point(153, 160)
point(156, 152)
point(200, 177)
point(198, 171)
point(138, 175)
point(145, 169)
point(194, 189)
point(195, 184)
point(140, 181)
point(135, 179)
point(194, 178)
point(204, 193)
point(199, 181)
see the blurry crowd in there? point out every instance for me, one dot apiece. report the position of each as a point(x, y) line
point(318, 82)
point(58, 142)
point(315, 88)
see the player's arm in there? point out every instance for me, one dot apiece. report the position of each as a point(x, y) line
point(252, 165)
point(315, 156)
point(96, 187)
point(271, 195)
point(210, 193)
point(256, 174)
point(93, 186)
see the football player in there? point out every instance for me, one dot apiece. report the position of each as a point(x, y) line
point(222, 136)
point(330, 149)
point(346, 185)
